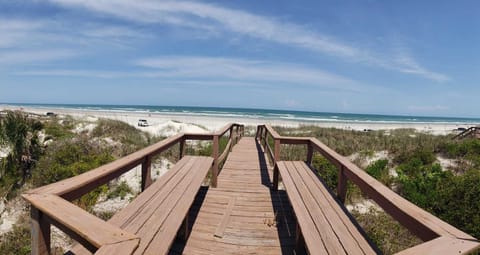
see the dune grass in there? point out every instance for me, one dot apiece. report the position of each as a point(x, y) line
point(447, 194)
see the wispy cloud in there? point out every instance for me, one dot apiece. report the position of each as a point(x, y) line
point(196, 70)
point(74, 73)
point(32, 41)
point(428, 108)
point(34, 57)
point(245, 70)
point(13, 31)
point(213, 17)
point(407, 64)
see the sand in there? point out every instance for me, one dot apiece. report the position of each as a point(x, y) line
point(167, 124)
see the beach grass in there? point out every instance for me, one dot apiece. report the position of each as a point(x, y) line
point(451, 194)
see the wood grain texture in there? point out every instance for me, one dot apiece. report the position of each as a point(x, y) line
point(89, 227)
point(241, 207)
point(423, 224)
point(260, 221)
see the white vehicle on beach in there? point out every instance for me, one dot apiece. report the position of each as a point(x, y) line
point(142, 123)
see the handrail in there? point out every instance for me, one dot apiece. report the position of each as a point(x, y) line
point(466, 132)
point(49, 201)
point(420, 222)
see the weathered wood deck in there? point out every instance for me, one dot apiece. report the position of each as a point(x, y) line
point(242, 215)
point(242, 212)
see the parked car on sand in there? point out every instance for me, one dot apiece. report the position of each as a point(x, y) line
point(142, 123)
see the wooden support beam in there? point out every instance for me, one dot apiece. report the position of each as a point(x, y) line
point(309, 154)
point(146, 172)
point(40, 232)
point(276, 151)
point(215, 161)
point(299, 241)
point(342, 185)
point(275, 177)
point(181, 149)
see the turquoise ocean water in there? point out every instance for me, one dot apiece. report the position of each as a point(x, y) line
point(301, 116)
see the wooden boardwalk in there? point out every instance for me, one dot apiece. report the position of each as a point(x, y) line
point(242, 215)
point(242, 212)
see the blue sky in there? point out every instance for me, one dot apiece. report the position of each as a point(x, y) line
point(387, 57)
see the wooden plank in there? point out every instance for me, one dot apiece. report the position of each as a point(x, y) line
point(148, 225)
point(124, 248)
point(89, 227)
point(140, 207)
point(352, 241)
point(323, 227)
point(442, 246)
point(161, 243)
point(226, 219)
point(248, 231)
point(332, 208)
point(314, 242)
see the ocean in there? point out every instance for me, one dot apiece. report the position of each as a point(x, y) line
point(301, 116)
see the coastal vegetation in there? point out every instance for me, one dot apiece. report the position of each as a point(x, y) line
point(413, 164)
point(47, 150)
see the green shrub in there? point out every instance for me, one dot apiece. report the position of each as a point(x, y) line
point(458, 202)
point(121, 190)
point(379, 171)
point(70, 157)
point(326, 170)
point(131, 138)
point(421, 183)
point(67, 158)
point(19, 132)
point(56, 130)
point(16, 241)
point(387, 234)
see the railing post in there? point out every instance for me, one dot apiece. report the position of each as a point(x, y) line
point(276, 157)
point(309, 154)
point(231, 137)
point(40, 232)
point(237, 134)
point(239, 130)
point(265, 136)
point(342, 185)
point(146, 172)
point(215, 161)
point(182, 149)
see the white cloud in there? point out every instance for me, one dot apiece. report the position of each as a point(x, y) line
point(201, 71)
point(407, 64)
point(244, 70)
point(74, 73)
point(13, 31)
point(34, 56)
point(212, 17)
point(428, 108)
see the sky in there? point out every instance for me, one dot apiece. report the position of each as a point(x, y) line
point(366, 56)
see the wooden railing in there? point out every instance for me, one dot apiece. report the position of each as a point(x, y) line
point(468, 132)
point(51, 204)
point(437, 234)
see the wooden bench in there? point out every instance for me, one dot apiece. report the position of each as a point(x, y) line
point(156, 215)
point(323, 224)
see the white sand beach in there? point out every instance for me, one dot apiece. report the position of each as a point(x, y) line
point(167, 124)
